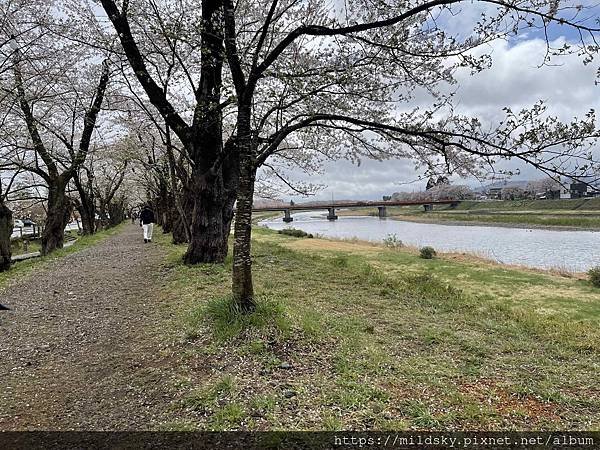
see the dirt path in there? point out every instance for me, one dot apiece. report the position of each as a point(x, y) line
point(81, 347)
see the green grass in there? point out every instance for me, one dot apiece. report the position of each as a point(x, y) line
point(517, 219)
point(354, 336)
point(558, 204)
point(19, 247)
point(23, 268)
point(228, 322)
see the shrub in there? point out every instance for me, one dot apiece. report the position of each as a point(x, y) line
point(427, 252)
point(295, 233)
point(594, 274)
point(392, 241)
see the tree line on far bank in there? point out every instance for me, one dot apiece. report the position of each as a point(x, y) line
point(444, 190)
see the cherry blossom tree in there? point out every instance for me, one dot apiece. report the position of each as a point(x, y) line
point(52, 103)
point(312, 81)
point(194, 39)
point(271, 85)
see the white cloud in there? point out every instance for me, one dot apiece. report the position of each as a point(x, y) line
point(514, 80)
point(517, 80)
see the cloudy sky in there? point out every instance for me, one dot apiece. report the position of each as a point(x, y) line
point(515, 80)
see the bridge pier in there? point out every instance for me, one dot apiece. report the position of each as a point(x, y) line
point(382, 212)
point(331, 214)
point(287, 218)
point(428, 207)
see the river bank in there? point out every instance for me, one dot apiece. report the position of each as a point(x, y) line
point(537, 247)
point(352, 335)
point(565, 220)
point(497, 220)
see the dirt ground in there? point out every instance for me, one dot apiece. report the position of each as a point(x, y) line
point(81, 347)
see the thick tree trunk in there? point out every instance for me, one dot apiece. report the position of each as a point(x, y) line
point(242, 286)
point(171, 216)
point(6, 227)
point(210, 184)
point(103, 220)
point(209, 215)
point(57, 218)
point(209, 224)
point(208, 203)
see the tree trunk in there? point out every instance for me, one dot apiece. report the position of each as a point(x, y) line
point(173, 216)
point(180, 226)
point(116, 212)
point(6, 227)
point(242, 286)
point(209, 224)
point(88, 218)
point(231, 178)
point(87, 212)
point(179, 234)
point(210, 184)
point(87, 206)
point(180, 229)
point(57, 218)
point(209, 207)
point(102, 222)
point(164, 207)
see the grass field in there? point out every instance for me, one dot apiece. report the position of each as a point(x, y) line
point(583, 204)
point(356, 336)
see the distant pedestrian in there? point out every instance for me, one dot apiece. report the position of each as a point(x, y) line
point(147, 222)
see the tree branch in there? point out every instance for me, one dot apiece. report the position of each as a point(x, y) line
point(155, 93)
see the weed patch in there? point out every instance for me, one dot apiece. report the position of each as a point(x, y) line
point(227, 321)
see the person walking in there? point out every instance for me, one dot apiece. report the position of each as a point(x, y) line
point(147, 222)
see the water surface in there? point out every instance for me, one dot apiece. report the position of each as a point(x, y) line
point(547, 249)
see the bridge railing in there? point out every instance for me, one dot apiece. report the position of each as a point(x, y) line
point(369, 204)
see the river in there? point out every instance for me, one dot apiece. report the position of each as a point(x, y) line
point(575, 251)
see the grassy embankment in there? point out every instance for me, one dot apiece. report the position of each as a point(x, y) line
point(576, 213)
point(22, 268)
point(356, 336)
point(18, 246)
point(31, 244)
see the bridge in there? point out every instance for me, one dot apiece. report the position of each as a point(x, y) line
point(331, 207)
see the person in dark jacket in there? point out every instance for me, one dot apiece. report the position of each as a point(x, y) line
point(147, 222)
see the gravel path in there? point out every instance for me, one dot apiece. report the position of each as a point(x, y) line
point(81, 348)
